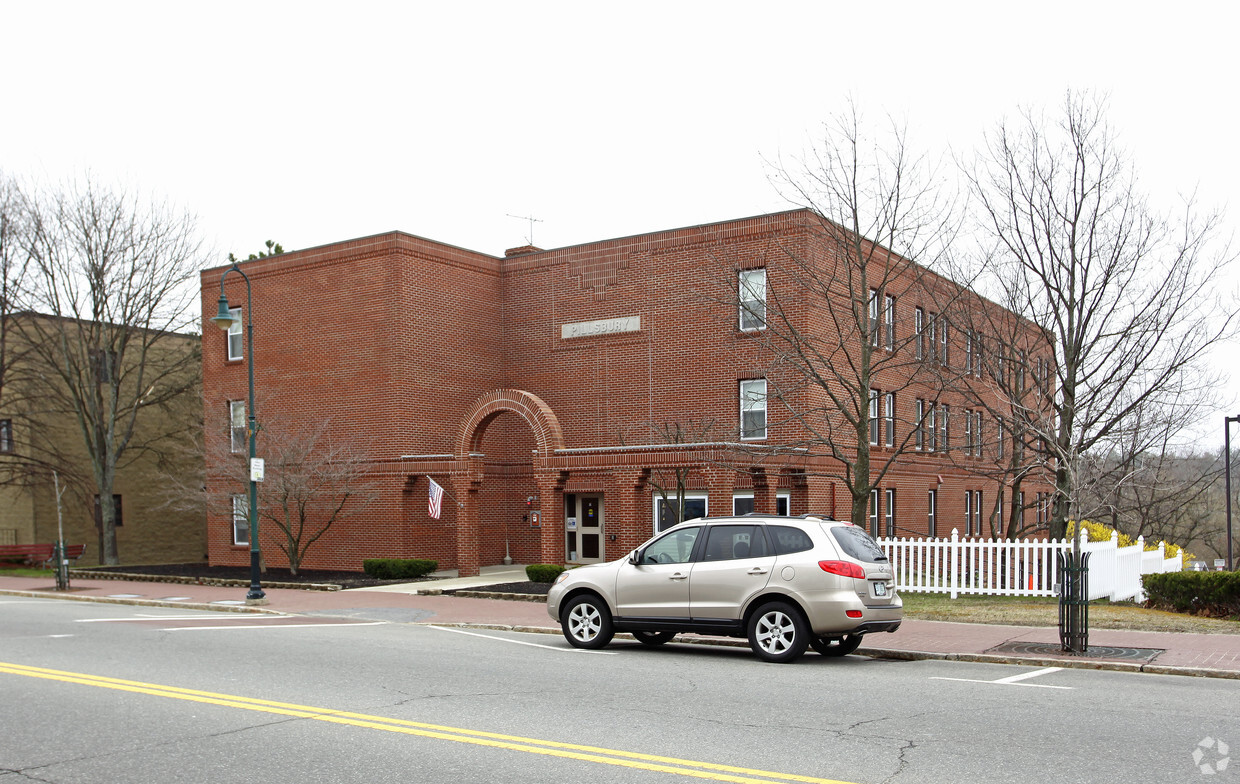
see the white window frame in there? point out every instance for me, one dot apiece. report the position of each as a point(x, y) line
point(751, 402)
point(237, 426)
point(889, 322)
point(889, 419)
point(874, 320)
point(241, 520)
point(875, 417)
point(751, 293)
point(890, 512)
point(236, 344)
point(875, 511)
point(919, 437)
point(919, 329)
point(658, 499)
point(968, 512)
point(977, 512)
point(783, 502)
point(932, 511)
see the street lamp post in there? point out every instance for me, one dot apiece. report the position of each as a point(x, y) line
point(224, 320)
point(1227, 482)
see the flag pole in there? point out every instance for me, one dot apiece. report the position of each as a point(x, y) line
point(459, 505)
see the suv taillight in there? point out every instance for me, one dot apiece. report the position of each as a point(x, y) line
point(843, 569)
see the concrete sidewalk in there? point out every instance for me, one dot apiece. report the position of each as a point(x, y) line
point(1209, 655)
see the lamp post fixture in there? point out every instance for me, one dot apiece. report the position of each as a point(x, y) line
point(224, 320)
point(1227, 482)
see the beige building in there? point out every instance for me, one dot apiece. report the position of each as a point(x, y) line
point(39, 432)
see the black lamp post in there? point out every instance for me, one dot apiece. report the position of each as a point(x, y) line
point(224, 320)
point(1227, 482)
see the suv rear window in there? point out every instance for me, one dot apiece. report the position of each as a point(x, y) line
point(857, 543)
point(789, 540)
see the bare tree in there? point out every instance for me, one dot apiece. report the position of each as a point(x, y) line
point(114, 279)
point(311, 481)
point(841, 360)
point(1127, 295)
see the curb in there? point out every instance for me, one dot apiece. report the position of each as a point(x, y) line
point(219, 582)
point(237, 608)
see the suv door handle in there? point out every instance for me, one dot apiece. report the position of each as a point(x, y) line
point(756, 570)
point(677, 576)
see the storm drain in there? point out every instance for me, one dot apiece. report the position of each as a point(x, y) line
point(1094, 651)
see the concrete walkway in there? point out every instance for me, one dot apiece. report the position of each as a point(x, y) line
point(1209, 655)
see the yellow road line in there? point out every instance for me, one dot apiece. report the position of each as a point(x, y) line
point(603, 756)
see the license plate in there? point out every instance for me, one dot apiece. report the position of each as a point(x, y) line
point(880, 589)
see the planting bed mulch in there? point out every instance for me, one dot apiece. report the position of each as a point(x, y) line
point(199, 572)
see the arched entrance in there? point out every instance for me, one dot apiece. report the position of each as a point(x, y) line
point(546, 513)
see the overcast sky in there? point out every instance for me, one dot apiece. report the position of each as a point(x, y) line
point(311, 122)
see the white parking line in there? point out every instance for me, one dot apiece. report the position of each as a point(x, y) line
point(521, 642)
point(1015, 680)
point(150, 617)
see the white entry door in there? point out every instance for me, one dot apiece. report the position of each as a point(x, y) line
point(583, 528)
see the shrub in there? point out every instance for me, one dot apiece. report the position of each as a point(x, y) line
point(1200, 593)
point(398, 568)
point(543, 573)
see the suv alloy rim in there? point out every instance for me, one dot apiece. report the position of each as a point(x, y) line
point(585, 621)
point(775, 632)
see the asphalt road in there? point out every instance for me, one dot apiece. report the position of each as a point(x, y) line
point(114, 693)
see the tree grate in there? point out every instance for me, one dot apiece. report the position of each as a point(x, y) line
point(1093, 652)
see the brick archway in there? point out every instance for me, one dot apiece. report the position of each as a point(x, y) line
point(536, 413)
point(547, 435)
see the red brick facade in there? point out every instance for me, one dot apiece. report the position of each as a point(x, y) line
point(518, 382)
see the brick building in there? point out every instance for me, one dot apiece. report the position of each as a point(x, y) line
point(555, 393)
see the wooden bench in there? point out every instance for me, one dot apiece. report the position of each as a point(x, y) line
point(39, 554)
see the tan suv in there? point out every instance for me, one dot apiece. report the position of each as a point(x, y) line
point(785, 583)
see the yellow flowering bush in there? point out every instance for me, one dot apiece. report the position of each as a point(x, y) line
point(1098, 532)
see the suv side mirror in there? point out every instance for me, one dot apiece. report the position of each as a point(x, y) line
point(634, 557)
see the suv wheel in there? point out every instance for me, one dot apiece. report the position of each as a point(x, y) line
point(836, 646)
point(587, 622)
point(653, 638)
point(778, 633)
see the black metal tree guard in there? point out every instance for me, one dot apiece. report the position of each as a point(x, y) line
point(1074, 601)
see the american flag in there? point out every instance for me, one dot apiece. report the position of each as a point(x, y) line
point(436, 498)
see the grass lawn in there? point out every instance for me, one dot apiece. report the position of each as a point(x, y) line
point(1044, 611)
point(26, 571)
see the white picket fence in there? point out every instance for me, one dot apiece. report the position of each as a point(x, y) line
point(1026, 567)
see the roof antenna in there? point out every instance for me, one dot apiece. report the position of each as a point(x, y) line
point(529, 240)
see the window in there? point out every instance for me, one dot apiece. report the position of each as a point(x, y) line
point(665, 511)
point(999, 437)
point(889, 420)
point(874, 511)
point(103, 365)
point(919, 331)
point(6, 435)
point(977, 512)
point(932, 442)
point(932, 327)
point(789, 540)
point(236, 421)
point(234, 335)
point(889, 322)
point(891, 512)
point(874, 324)
point(1022, 360)
point(943, 342)
point(977, 433)
point(675, 548)
point(729, 542)
point(241, 520)
point(968, 432)
point(117, 518)
point(932, 509)
point(875, 424)
point(1018, 509)
point(919, 435)
point(968, 349)
point(752, 296)
point(944, 442)
point(742, 503)
point(753, 409)
point(977, 355)
point(968, 512)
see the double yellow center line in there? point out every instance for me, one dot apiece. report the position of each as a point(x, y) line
point(602, 756)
